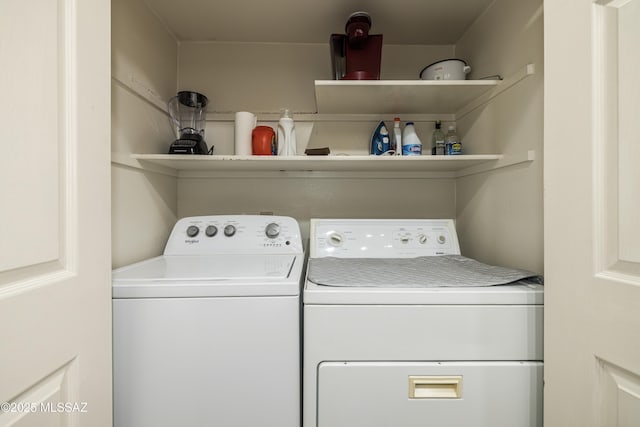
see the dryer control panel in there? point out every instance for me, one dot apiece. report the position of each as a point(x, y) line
point(382, 238)
point(235, 234)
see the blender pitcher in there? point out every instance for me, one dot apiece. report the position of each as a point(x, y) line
point(188, 113)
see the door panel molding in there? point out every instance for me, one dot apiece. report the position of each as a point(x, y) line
point(50, 402)
point(45, 240)
point(615, 155)
point(14, 282)
point(618, 395)
point(68, 136)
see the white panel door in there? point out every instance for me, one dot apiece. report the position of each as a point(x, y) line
point(55, 305)
point(592, 211)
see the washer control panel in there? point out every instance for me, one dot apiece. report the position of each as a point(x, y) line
point(382, 238)
point(235, 234)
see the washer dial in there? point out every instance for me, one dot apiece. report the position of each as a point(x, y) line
point(192, 231)
point(211, 230)
point(229, 230)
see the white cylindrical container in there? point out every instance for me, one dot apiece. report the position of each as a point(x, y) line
point(244, 124)
point(411, 144)
point(286, 135)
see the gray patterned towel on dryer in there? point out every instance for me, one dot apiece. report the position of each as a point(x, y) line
point(427, 271)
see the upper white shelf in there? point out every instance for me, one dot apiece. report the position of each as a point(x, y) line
point(398, 96)
point(315, 163)
point(406, 166)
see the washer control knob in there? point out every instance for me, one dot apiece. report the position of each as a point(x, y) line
point(229, 230)
point(272, 230)
point(211, 230)
point(335, 239)
point(192, 231)
point(441, 239)
point(405, 239)
point(422, 239)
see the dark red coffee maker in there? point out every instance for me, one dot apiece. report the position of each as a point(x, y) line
point(356, 55)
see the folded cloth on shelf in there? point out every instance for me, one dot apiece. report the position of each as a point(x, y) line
point(427, 271)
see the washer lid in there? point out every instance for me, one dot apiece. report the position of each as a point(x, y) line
point(207, 276)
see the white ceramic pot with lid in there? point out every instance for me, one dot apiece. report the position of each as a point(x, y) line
point(447, 69)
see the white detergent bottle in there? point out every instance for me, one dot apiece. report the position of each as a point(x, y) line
point(286, 135)
point(411, 144)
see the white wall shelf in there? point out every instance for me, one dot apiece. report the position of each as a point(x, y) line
point(398, 96)
point(456, 97)
point(432, 166)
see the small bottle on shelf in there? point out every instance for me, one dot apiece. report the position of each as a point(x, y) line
point(397, 137)
point(453, 145)
point(437, 140)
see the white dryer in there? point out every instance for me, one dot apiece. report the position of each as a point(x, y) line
point(383, 349)
point(209, 333)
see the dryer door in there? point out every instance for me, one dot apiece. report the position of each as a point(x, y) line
point(444, 394)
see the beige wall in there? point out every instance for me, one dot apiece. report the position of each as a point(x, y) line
point(263, 78)
point(319, 197)
point(144, 74)
point(499, 214)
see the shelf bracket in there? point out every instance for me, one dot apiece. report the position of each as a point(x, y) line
point(506, 161)
point(132, 162)
point(522, 74)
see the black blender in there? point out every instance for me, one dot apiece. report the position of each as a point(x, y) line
point(188, 114)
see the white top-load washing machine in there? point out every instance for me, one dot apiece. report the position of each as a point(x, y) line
point(208, 334)
point(399, 330)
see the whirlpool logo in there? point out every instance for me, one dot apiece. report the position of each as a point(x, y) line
point(191, 241)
